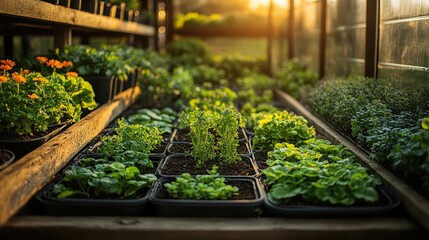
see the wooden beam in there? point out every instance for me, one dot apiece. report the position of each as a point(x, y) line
point(22, 179)
point(291, 29)
point(322, 43)
point(169, 9)
point(62, 37)
point(39, 11)
point(416, 205)
point(8, 47)
point(372, 38)
point(107, 228)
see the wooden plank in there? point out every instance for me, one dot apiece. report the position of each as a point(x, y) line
point(62, 37)
point(39, 227)
point(416, 205)
point(20, 181)
point(46, 12)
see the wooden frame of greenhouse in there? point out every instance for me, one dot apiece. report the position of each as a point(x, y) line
point(335, 39)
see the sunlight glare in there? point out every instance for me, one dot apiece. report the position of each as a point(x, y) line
point(255, 4)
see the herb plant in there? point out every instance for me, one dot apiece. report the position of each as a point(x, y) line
point(281, 127)
point(227, 125)
point(203, 141)
point(202, 187)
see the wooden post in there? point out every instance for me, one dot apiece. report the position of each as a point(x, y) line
point(270, 40)
point(155, 24)
point(169, 10)
point(62, 37)
point(322, 43)
point(291, 27)
point(372, 38)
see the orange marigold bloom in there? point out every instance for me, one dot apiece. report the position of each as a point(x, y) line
point(25, 71)
point(5, 67)
point(18, 78)
point(42, 59)
point(67, 63)
point(54, 64)
point(3, 79)
point(72, 74)
point(32, 96)
point(8, 62)
point(40, 79)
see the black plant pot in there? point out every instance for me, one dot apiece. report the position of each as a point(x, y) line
point(91, 207)
point(103, 87)
point(6, 158)
point(90, 6)
point(168, 207)
point(23, 146)
point(386, 206)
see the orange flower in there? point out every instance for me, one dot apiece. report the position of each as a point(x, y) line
point(67, 63)
point(54, 64)
point(5, 67)
point(3, 79)
point(72, 74)
point(25, 71)
point(18, 78)
point(8, 62)
point(42, 59)
point(32, 96)
point(40, 79)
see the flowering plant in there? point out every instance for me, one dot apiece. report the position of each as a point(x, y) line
point(30, 102)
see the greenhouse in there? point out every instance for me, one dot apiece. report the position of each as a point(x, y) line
point(214, 119)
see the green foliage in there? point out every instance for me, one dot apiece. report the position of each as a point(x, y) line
point(164, 120)
point(88, 61)
point(208, 76)
point(254, 114)
point(255, 98)
point(256, 81)
point(132, 144)
point(203, 141)
point(226, 128)
point(187, 52)
point(317, 172)
point(196, 19)
point(30, 106)
point(295, 79)
point(281, 127)
point(202, 187)
point(213, 100)
point(106, 179)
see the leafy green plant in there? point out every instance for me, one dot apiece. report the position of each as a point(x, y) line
point(107, 179)
point(253, 114)
point(163, 119)
point(202, 187)
point(188, 52)
point(226, 128)
point(208, 76)
point(317, 172)
point(256, 81)
point(295, 79)
point(255, 98)
point(193, 18)
point(281, 127)
point(213, 100)
point(132, 144)
point(203, 141)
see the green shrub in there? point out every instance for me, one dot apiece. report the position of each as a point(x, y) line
point(295, 79)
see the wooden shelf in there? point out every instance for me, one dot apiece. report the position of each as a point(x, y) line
point(37, 12)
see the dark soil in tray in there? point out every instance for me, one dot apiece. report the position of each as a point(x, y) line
point(246, 191)
point(180, 147)
point(261, 159)
point(183, 164)
point(242, 147)
point(161, 148)
point(181, 137)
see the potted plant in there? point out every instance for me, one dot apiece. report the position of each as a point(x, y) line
point(321, 179)
point(98, 67)
point(207, 195)
point(31, 107)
